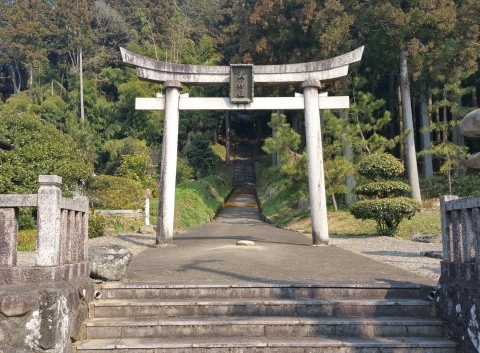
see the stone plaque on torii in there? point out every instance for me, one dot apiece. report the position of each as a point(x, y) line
point(309, 75)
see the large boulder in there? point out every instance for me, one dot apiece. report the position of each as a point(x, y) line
point(109, 262)
point(473, 162)
point(470, 125)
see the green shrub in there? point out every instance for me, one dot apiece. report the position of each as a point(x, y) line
point(26, 220)
point(184, 170)
point(220, 151)
point(96, 225)
point(463, 186)
point(387, 212)
point(110, 192)
point(200, 156)
point(386, 207)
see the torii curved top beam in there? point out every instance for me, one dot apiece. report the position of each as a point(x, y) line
point(199, 75)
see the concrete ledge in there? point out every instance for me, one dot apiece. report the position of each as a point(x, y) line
point(15, 200)
point(37, 274)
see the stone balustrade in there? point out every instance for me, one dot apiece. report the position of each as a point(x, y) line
point(461, 229)
point(458, 289)
point(62, 233)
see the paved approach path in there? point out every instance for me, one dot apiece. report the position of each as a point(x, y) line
point(209, 254)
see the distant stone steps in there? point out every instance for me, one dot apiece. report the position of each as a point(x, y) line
point(243, 168)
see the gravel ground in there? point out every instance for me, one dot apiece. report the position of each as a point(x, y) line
point(402, 253)
point(393, 251)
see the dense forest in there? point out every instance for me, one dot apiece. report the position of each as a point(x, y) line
point(60, 64)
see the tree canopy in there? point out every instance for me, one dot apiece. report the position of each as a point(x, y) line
point(60, 64)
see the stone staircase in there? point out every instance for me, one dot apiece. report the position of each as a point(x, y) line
point(243, 168)
point(255, 317)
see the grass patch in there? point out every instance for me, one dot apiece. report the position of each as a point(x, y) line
point(27, 240)
point(197, 202)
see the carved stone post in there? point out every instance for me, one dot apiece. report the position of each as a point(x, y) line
point(166, 209)
point(148, 195)
point(48, 220)
point(8, 236)
point(316, 180)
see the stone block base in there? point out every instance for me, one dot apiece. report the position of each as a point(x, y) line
point(44, 317)
point(457, 301)
point(37, 274)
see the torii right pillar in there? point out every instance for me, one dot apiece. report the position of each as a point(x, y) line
point(316, 177)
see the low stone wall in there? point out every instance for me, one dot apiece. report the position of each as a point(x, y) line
point(136, 214)
point(44, 317)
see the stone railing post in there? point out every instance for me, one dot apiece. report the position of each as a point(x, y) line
point(8, 236)
point(447, 228)
point(48, 220)
point(316, 179)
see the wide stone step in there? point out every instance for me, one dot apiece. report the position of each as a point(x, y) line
point(270, 345)
point(259, 307)
point(262, 327)
point(326, 290)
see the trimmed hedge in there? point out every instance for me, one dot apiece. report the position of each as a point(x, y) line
point(381, 165)
point(382, 189)
point(388, 213)
point(386, 207)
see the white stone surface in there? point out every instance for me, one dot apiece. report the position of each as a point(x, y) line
point(48, 220)
point(245, 243)
point(316, 180)
point(168, 171)
point(259, 103)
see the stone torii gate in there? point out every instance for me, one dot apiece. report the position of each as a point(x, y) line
point(241, 79)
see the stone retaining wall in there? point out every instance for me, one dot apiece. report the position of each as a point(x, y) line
point(44, 317)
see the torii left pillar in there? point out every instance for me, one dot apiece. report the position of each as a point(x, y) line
point(166, 203)
point(316, 178)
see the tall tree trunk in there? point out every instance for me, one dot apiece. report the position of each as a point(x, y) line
point(410, 153)
point(458, 138)
point(445, 121)
point(259, 136)
point(17, 84)
point(274, 155)
point(227, 137)
point(278, 163)
point(350, 197)
point(334, 203)
point(474, 97)
point(401, 145)
point(425, 127)
point(80, 71)
point(392, 105)
point(30, 82)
